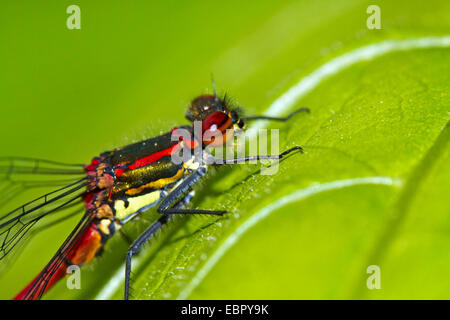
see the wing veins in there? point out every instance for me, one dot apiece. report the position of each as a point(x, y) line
point(80, 185)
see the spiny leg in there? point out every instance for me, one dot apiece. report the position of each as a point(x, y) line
point(136, 246)
point(169, 212)
point(282, 119)
point(219, 162)
point(165, 208)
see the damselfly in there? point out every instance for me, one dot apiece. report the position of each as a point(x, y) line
point(119, 185)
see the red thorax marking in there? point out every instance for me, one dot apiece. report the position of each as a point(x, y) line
point(146, 160)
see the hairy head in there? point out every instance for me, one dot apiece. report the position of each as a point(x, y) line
point(218, 120)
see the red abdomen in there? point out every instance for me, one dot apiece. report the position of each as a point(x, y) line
point(83, 251)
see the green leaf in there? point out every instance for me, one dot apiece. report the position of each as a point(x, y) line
point(373, 154)
point(370, 188)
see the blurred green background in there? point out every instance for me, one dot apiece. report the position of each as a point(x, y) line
point(131, 71)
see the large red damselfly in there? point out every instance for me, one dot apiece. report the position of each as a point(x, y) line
point(120, 184)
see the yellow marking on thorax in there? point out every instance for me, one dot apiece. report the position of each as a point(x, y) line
point(191, 164)
point(158, 184)
point(135, 204)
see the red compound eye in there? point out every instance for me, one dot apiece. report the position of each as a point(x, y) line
point(215, 121)
point(214, 126)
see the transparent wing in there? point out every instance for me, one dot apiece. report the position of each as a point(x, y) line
point(21, 165)
point(15, 224)
point(76, 208)
point(43, 281)
point(18, 175)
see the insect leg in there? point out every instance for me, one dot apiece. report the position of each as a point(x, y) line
point(144, 237)
point(216, 161)
point(164, 207)
point(282, 119)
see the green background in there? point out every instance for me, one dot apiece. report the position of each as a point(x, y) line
point(131, 71)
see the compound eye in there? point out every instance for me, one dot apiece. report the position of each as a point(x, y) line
point(214, 128)
point(216, 121)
